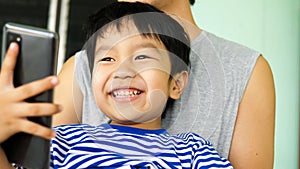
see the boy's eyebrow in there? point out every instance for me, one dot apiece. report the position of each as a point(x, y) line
point(146, 45)
point(136, 46)
point(102, 47)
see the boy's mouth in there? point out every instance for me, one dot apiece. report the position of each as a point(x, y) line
point(125, 93)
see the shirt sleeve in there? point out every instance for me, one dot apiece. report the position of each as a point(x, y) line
point(206, 156)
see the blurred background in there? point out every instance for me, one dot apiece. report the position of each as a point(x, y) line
point(66, 17)
point(273, 28)
point(269, 26)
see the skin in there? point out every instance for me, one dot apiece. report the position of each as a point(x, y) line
point(253, 138)
point(134, 64)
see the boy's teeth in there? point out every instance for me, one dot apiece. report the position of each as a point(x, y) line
point(126, 93)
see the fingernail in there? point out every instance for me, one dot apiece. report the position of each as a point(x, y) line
point(54, 80)
point(12, 46)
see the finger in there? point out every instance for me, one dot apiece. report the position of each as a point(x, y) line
point(9, 64)
point(36, 129)
point(34, 88)
point(36, 109)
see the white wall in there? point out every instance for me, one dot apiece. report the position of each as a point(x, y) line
point(273, 28)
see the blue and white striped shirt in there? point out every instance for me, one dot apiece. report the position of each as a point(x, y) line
point(113, 146)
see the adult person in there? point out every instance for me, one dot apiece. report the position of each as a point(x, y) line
point(230, 99)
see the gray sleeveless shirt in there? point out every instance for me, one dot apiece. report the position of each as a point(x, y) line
point(220, 70)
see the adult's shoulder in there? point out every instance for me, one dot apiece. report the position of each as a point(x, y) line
point(225, 49)
point(220, 43)
point(219, 55)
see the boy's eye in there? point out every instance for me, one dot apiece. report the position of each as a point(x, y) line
point(107, 59)
point(140, 57)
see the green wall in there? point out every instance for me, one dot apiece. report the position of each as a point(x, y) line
point(273, 28)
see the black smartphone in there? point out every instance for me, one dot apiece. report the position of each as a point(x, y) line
point(37, 59)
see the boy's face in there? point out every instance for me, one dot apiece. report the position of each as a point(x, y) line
point(131, 77)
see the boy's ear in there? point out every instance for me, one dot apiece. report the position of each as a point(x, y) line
point(178, 83)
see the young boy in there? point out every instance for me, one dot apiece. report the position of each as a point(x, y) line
point(139, 60)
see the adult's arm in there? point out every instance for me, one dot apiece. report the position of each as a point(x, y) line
point(68, 94)
point(253, 138)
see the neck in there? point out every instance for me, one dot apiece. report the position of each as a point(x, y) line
point(182, 10)
point(151, 125)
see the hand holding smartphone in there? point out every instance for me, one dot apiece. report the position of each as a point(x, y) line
point(37, 59)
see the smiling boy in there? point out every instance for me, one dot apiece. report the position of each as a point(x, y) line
point(139, 61)
point(131, 80)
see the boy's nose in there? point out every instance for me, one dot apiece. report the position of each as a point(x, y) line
point(125, 70)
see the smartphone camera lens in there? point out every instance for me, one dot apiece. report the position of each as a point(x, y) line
point(18, 39)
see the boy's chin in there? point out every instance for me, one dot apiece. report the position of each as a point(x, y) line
point(137, 118)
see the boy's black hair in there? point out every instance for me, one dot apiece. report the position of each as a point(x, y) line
point(149, 21)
